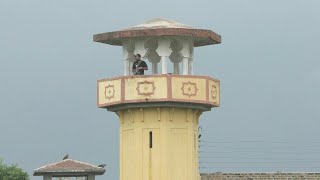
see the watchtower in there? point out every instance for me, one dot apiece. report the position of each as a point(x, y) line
point(159, 112)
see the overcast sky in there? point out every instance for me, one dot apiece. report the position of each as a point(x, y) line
point(268, 64)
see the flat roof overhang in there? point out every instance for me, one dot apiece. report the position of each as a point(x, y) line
point(201, 37)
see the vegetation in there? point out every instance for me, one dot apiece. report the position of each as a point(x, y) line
point(12, 172)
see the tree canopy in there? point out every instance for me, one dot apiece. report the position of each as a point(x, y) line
point(12, 172)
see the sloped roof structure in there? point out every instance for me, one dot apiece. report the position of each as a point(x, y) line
point(159, 27)
point(69, 167)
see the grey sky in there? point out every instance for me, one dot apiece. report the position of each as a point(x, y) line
point(268, 64)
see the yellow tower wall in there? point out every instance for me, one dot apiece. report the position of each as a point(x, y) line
point(174, 151)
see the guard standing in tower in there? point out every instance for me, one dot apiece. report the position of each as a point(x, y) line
point(139, 66)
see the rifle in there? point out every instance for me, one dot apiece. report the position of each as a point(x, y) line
point(136, 70)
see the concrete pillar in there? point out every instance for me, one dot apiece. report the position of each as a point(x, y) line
point(81, 178)
point(128, 55)
point(154, 68)
point(190, 64)
point(191, 60)
point(185, 66)
point(139, 48)
point(164, 65)
point(187, 52)
point(176, 68)
point(130, 67)
point(126, 70)
point(91, 177)
point(154, 58)
point(152, 45)
point(47, 177)
point(164, 52)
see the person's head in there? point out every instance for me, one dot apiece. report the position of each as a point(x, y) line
point(137, 57)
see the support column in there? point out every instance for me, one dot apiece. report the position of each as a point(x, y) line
point(139, 48)
point(154, 68)
point(126, 67)
point(187, 52)
point(47, 177)
point(130, 67)
point(190, 66)
point(128, 55)
point(164, 65)
point(185, 66)
point(176, 68)
point(152, 45)
point(91, 177)
point(164, 51)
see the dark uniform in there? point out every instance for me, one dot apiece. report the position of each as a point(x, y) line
point(139, 67)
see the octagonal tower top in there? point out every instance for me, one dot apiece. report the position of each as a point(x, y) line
point(157, 40)
point(159, 27)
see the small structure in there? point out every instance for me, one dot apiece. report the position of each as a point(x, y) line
point(68, 168)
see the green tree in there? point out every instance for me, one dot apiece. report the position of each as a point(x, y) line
point(12, 172)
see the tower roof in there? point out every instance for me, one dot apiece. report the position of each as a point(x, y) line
point(69, 167)
point(159, 27)
point(158, 23)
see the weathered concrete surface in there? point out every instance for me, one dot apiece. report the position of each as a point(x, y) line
point(260, 176)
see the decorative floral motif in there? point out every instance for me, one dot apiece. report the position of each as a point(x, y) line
point(189, 89)
point(109, 91)
point(214, 92)
point(145, 88)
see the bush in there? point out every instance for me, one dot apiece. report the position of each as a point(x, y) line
point(12, 172)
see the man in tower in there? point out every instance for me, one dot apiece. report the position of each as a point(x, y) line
point(139, 66)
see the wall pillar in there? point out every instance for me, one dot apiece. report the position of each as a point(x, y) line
point(91, 177)
point(47, 177)
point(190, 66)
point(164, 51)
point(154, 68)
point(152, 45)
point(185, 66)
point(164, 65)
point(176, 69)
point(139, 48)
point(187, 52)
point(126, 70)
point(176, 56)
point(81, 178)
point(128, 56)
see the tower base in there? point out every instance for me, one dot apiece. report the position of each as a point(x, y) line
point(159, 143)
